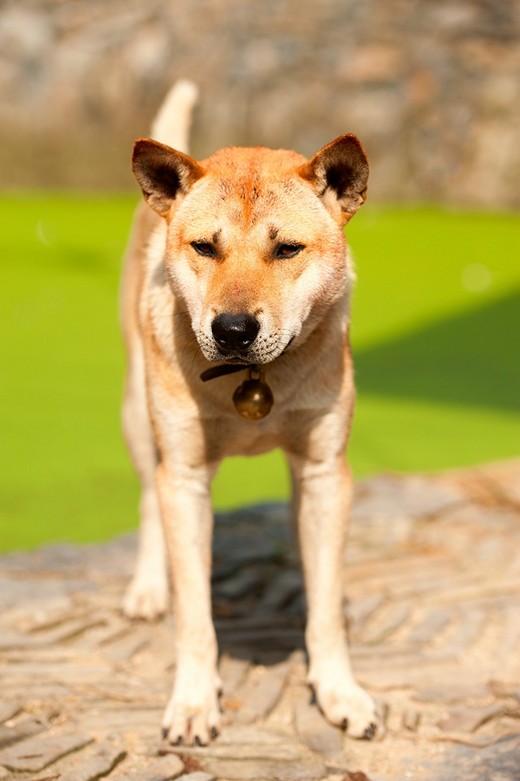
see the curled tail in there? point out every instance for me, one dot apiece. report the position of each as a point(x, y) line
point(172, 124)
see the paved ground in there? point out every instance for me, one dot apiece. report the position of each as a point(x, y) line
point(432, 586)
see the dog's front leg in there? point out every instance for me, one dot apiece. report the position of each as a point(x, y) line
point(192, 714)
point(323, 511)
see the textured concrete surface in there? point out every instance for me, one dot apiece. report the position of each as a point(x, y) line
point(432, 600)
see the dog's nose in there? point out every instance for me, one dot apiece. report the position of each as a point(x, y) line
point(235, 333)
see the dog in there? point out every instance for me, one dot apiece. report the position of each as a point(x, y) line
point(239, 263)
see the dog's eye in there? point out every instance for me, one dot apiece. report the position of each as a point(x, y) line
point(288, 250)
point(204, 248)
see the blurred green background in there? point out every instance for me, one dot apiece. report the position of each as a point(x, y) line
point(436, 319)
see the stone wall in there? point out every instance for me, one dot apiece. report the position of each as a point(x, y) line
point(431, 86)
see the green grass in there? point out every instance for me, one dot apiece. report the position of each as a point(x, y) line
point(435, 332)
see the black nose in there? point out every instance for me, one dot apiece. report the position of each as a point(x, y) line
point(235, 333)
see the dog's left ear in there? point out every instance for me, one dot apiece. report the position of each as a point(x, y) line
point(339, 173)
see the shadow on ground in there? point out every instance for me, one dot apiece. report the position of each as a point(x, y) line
point(258, 596)
point(468, 359)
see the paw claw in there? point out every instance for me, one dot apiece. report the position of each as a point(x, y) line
point(370, 731)
point(192, 714)
point(345, 704)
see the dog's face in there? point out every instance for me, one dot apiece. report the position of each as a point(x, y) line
point(255, 244)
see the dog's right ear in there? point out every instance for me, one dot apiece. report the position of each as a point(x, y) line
point(163, 173)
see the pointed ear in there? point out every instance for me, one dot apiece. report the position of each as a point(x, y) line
point(339, 173)
point(163, 173)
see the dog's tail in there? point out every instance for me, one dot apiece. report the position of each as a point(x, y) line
point(172, 124)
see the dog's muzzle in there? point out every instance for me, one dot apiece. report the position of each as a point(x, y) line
point(234, 334)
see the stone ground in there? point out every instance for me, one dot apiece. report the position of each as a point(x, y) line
point(432, 586)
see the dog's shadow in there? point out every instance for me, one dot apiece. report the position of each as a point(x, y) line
point(258, 594)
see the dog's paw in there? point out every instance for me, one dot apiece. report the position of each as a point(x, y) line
point(342, 701)
point(350, 708)
point(146, 598)
point(192, 716)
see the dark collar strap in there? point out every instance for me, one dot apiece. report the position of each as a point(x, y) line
point(220, 371)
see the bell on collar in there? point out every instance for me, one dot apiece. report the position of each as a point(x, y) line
point(253, 399)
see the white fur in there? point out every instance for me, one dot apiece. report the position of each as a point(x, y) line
point(172, 124)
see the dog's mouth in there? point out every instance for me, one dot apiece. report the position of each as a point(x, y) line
point(235, 357)
point(262, 351)
point(252, 357)
point(291, 340)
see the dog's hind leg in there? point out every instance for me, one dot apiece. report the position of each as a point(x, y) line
point(148, 593)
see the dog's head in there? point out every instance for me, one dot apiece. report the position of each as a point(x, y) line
point(255, 243)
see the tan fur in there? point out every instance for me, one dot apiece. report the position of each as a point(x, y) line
point(245, 203)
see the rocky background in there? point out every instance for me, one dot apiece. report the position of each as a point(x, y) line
point(431, 86)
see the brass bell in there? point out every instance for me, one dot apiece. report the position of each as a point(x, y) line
point(253, 399)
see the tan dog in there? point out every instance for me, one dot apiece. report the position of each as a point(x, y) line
point(241, 258)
